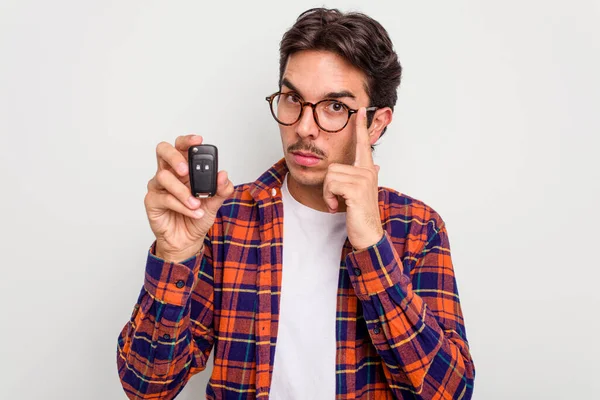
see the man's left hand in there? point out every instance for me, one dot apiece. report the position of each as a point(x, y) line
point(357, 185)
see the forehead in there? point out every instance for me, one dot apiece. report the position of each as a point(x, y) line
point(315, 73)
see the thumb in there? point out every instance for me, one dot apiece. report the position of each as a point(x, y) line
point(224, 190)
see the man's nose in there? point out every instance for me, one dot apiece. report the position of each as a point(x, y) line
point(307, 126)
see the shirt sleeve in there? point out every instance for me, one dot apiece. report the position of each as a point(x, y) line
point(169, 336)
point(413, 315)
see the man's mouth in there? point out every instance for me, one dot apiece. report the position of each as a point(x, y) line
point(305, 154)
point(306, 159)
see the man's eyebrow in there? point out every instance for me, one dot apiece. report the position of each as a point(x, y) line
point(340, 94)
point(330, 95)
point(289, 84)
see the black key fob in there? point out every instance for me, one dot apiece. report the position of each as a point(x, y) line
point(203, 166)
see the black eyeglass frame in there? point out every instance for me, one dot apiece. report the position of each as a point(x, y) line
point(303, 104)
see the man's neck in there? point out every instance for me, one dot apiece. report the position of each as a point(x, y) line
point(311, 196)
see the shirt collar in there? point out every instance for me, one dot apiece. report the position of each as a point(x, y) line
point(269, 183)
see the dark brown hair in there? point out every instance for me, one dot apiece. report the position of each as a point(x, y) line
point(356, 37)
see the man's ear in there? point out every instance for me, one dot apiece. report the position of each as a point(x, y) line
point(381, 119)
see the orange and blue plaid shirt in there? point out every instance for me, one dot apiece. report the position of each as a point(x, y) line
point(399, 326)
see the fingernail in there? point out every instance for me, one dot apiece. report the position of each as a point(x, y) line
point(199, 213)
point(182, 168)
point(363, 112)
point(194, 202)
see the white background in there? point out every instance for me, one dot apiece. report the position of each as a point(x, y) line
point(496, 128)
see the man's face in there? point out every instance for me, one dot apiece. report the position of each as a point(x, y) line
point(314, 76)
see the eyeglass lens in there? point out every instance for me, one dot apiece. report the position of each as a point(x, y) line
point(331, 114)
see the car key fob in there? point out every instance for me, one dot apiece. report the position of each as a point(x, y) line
point(202, 160)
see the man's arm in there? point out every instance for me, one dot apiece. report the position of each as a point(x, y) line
point(414, 318)
point(169, 336)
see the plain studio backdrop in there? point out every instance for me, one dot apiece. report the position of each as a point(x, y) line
point(496, 128)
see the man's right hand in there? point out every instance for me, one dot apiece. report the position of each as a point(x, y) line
point(180, 221)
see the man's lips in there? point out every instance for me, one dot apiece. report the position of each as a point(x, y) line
point(304, 154)
point(305, 159)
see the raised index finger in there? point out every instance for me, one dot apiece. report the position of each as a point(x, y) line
point(364, 157)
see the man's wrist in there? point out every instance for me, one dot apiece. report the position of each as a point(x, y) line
point(370, 243)
point(177, 257)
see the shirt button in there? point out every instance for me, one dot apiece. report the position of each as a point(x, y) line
point(356, 271)
point(166, 336)
point(273, 192)
point(180, 284)
point(377, 328)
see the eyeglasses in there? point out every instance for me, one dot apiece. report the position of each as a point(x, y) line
point(330, 115)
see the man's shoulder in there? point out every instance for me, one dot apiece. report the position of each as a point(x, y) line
point(241, 191)
point(241, 195)
point(400, 207)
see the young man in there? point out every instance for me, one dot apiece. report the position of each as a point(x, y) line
point(311, 282)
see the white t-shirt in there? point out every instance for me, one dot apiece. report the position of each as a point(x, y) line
point(304, 366)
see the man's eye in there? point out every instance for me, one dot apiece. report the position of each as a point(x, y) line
point(335, 107)
point(290, 98)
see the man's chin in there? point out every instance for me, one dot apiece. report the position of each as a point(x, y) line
point(306, 176)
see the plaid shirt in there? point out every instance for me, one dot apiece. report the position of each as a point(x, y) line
point(399, 326)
